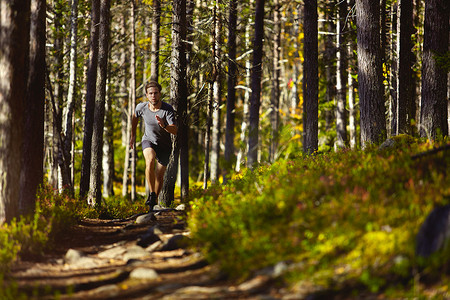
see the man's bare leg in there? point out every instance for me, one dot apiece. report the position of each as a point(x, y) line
point(150, 158)
point(160, 170)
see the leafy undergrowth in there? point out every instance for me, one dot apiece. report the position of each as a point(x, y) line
point(346, 221)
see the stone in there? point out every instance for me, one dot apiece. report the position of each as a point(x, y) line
point(155, 246)
point(72, 256)
point(146, 219)
point(135, 252)
point(176, 242)
point(112, 253)
point(144, 273)
point(181, 207)
point(434, 233)
point(150, 237)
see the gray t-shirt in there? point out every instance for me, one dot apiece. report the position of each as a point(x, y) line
point(153, 132)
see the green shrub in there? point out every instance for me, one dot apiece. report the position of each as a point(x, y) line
point(347, 216)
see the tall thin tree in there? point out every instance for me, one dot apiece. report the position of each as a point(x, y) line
point(243, 145)
point(178, 97)
point(217, 92)
point(405, 82)
point(311, 79)
point(156, 24)
point(275, 93)
point(70, 105)
point(231, 88)
point(90, 99)
point(341, 76)
point(255, 99)
point(95, 182)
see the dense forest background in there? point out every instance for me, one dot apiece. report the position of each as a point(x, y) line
point(252, 81)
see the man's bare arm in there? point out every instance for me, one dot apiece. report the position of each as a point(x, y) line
point(134, 122)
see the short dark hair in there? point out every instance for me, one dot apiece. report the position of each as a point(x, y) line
point(152, 83)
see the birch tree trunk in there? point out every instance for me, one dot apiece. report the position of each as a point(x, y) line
point(341, 77)
point(132, 102)
point(351, 88)
point(275, 95)
point(156, 24)
point(108, 148)
point(60, 177)
point(69, 108)
point(217, 94)
point(208, 135)
point(243, 146)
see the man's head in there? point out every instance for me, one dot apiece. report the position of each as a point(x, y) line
point(153, 92)
point(152, 83)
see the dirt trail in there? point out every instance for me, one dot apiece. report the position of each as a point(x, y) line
point(106, 262)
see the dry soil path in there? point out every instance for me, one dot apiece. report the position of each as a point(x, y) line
point(120, 259)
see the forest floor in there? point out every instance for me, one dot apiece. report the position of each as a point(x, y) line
point(102, 259)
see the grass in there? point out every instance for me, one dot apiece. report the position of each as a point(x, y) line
point(346, 219)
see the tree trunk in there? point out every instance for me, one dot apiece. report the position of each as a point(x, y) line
point(95, 192)
point(255, 100)
point(179, 99)
point(108, 148)
point(90, 99)
point(329, 57)
point(69, 109)
point(132, 102)
point(351, 98)
point(217, 94)
point(295, 100)
point(61, 177)
point(275, 95)
point(243, 146)
point(405, 81)
point(126, 164)
point(156, 24)
point(341, 78)
point(123, 91)
point(372, 110)
point(351, 85)
point(393, 74)
point(310, 81)
point(14, 45)
point(231, 89)
point(33, 141)
point(208, 136)
point(433, 116)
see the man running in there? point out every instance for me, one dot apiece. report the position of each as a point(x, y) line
point(159, 120)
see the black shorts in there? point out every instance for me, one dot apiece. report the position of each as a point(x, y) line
point(162, 154)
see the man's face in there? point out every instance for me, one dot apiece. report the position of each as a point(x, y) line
point(153, 95)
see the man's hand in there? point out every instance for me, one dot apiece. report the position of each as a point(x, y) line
point(160, 121)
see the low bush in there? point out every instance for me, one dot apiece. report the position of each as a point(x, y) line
point(343, 217)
